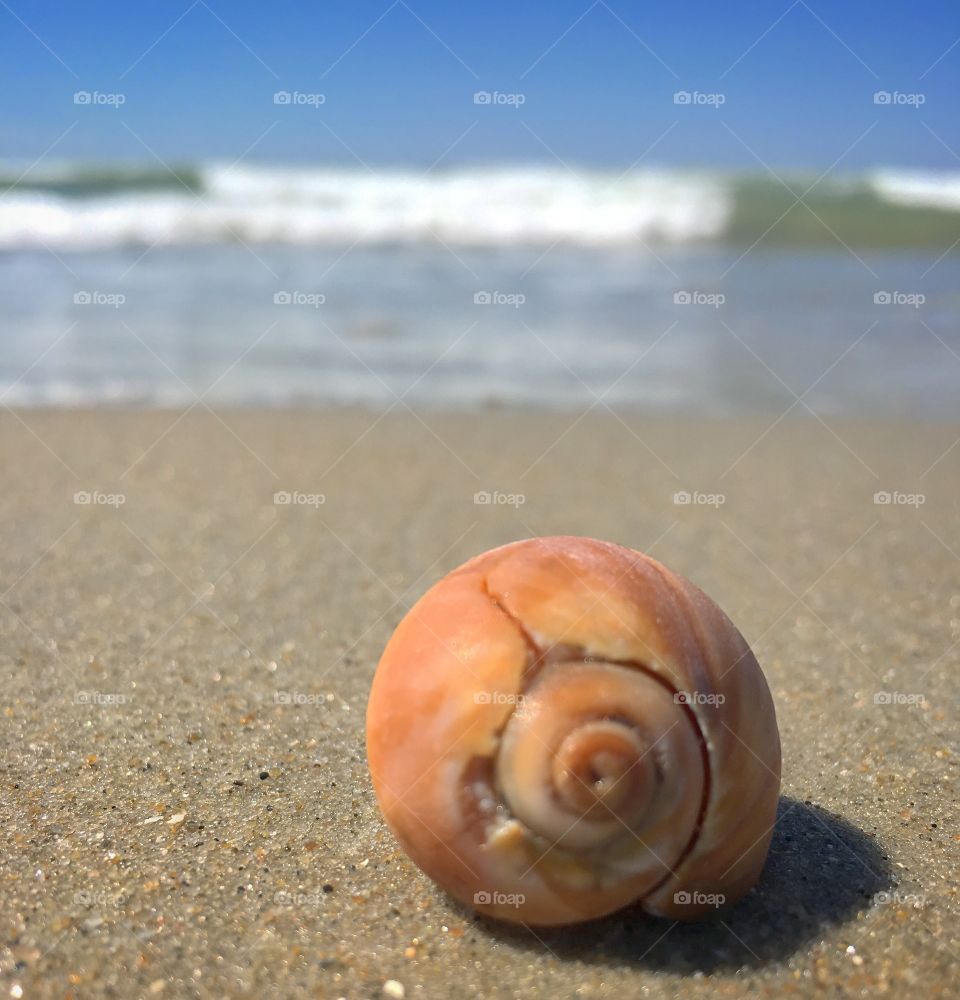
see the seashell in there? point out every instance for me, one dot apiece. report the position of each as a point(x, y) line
point(562, 727)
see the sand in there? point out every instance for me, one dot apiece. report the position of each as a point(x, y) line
point(184, 800)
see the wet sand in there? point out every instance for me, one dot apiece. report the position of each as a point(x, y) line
point(184, 799)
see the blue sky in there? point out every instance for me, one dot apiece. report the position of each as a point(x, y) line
point(597, 82)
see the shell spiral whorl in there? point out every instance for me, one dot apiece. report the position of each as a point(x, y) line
point(561, 727)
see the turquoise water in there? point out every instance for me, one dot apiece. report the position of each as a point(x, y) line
point(680, 291)
point(668, 328)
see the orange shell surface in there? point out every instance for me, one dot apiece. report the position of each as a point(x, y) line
point(491, 669)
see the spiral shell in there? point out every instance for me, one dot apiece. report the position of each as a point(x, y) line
point(562, 726)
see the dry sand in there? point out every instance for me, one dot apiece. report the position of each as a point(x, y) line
point(184, 802)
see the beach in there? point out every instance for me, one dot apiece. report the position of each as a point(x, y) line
point(194, 604)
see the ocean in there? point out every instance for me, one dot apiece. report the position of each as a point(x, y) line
point(661, 290)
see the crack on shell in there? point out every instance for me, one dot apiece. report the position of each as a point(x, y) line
point(480, 770)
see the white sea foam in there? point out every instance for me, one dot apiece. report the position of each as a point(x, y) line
point(462, 208)
point(62, 208)
point(919, 189)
